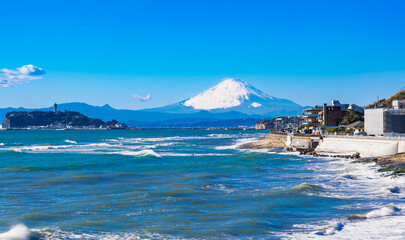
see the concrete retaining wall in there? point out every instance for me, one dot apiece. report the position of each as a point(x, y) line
point(296, 141)
point(366, 147)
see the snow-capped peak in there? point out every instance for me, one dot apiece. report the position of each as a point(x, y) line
point(229, 93)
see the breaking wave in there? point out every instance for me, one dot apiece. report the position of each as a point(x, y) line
point(358, 181)
point(307, 187)
point(339, 225)
point(147, 152)
point(70, 141)
point(237, 144)
point(17, 232)
point(388, 210)
point(21, 232)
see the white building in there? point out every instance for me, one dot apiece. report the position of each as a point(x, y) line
point(345, 106)
point(380, 121)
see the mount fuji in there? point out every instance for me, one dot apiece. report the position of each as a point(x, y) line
point(234, 95)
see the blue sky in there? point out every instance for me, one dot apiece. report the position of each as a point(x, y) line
point(102, 52)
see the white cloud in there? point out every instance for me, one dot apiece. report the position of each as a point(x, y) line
point(24, 74)
point(31, 70)
point(142, 99)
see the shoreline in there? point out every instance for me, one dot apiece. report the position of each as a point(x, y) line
point(394, 162)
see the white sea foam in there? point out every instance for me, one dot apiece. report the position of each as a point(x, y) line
point(173, 154)
point(42, 148)
point(92, 148)
point(219, 187)
point(17, 232)
point(86, 148)
point(352, 180)
point(362, 180)
point(181, 138)
point(135, 146)
point(112, 140)
point(382, 223)
point(381, 228)
point(388, 210)
point(165, 144)
point(338, 226)
point(97, 145)
point(139, 153)
point(162, 139)
point(216, 135)
point(2, 144)
point(237, 144)
point(57, 233)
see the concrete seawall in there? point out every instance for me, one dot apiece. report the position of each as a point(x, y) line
point(294, 142)
point(366, 146)
point(332, 145)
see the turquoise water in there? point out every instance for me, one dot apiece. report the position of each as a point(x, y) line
point(177, 184)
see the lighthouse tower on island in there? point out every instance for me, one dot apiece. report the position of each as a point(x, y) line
point(55, 108)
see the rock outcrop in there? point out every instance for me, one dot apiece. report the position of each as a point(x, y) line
point(264, 125)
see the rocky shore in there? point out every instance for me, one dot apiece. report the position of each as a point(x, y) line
point(313, 153)
point(394, 163)
point(397, 160)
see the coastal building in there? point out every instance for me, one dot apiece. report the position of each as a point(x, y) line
point(345, 107)
point(283, 124)
point(311, 116)
point(384, 121)
point(331, 115)
point(328, 115)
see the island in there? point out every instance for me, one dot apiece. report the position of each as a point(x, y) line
point(38, 120)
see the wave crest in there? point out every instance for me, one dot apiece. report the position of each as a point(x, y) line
point(307, 187)
point(17, 232)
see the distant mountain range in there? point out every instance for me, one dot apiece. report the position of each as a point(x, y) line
point(234, 95)
point(231, 103)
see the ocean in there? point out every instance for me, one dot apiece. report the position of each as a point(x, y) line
point(187, 184)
